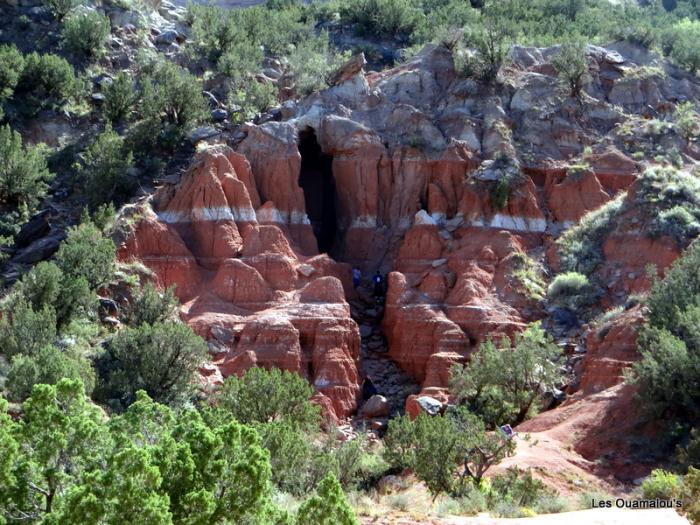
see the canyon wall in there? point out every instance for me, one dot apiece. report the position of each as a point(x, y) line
point(450, 186)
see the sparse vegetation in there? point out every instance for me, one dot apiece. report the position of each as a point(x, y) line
point(572, 66)
point(85, 33)
point(529, 275)
point(580, 248)
point(24, 176)
point(570, 290)
point(105, 169)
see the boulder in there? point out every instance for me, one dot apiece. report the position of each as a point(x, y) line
point(348, 70)
point(375, 406)
point(423, 404)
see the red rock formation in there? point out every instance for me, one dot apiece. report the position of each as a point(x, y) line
point(610, 349)
point(251, 281)
point(575, 195)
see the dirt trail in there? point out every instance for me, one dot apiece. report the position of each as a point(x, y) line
point(582, 517)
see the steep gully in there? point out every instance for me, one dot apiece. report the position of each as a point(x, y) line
point(366, 309)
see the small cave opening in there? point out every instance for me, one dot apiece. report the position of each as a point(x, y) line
point(316, 179)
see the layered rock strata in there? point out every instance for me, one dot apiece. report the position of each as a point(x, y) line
point(245, 285)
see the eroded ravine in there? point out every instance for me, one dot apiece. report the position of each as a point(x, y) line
point(388, 379)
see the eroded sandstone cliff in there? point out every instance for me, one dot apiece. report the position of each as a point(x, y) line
point(449, 185)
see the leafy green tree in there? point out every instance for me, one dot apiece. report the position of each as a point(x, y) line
point(311, 62)
point(277, 404)
point(47, 81)
point(46, 286)
point(572, 66)
point(241, 60)
point(105, 168)
point(479, 450)
point(173, 98)
point(687, 121)
point(492, 37)
point(26, 331)
point(691, 494)
point(24, 176)
point(151, 306)
point(686, 44)
point(64, 461)
point(446, 452)
point(667, 374)
point(265, 396)
point(661, 484)
point(61, 436)
point(292, 457)
point(48, 366)
point(11, 66)
point(396, 18)
point(214, 33)
point(689, 455)
point(329, 507)
point(517, 487)
point(503, 383)
point(87, 253)
point(161, 359)
point(252, 98)
point(85, 33)
point(120, 98)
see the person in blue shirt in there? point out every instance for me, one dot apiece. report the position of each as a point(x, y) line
point(378, 284)
point(356, 277)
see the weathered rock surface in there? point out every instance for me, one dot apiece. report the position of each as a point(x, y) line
point(240, 275)
point(447, 186)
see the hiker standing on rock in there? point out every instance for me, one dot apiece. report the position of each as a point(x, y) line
point(378, 284)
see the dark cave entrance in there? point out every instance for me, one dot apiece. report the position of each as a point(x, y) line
point(316, 179)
